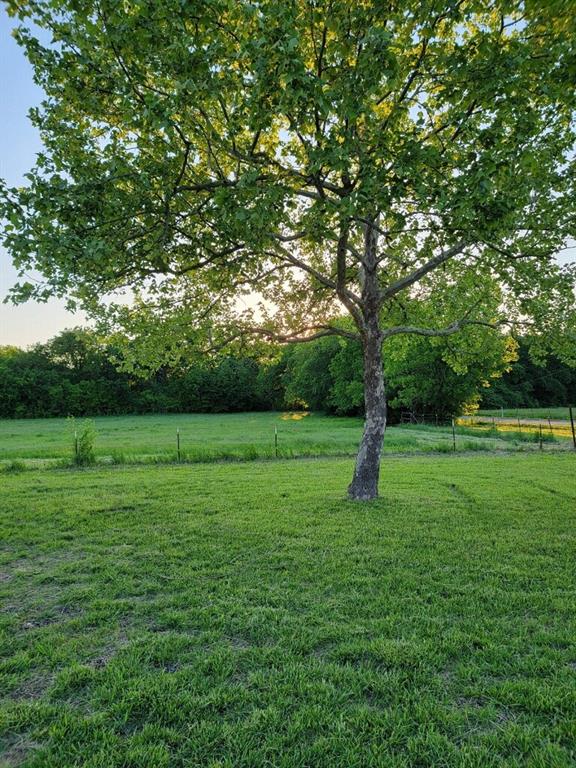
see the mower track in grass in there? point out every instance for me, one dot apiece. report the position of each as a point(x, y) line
point(248, 615)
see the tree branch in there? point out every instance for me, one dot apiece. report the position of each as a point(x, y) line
point(321, 277)
point(447, 331)
point(297, 338)
point(418, 274)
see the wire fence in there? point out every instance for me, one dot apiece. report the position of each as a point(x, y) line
point(415, 432)
point(539, 429)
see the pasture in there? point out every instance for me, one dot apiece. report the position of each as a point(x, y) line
point(558, 414)
point(213, 437)
point(245, 615)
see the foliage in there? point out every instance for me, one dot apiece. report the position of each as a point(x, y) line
point(72, 374)
point(313, 155)
point(445, 377)
point(226, 615)
point(308, 376)
point(531, 384)
point(347, 391)
point(436, 376)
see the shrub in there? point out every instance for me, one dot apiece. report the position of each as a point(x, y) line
point(84, 437)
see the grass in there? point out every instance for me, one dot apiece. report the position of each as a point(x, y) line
point(551, 428)
point(155, 435)
point(528, 413)
point(245, 615)
point(204, 438)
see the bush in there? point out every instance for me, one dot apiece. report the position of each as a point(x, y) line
point(84, 437)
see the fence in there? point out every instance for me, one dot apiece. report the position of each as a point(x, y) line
point(429, 419)
point(541, 428)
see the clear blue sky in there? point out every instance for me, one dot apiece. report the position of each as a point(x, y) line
point(19, 143)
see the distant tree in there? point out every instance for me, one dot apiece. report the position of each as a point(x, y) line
point(435, 376)
point(270, 384)
point(322, 155)
point(307, 379)
point(72, 374)
point(346, 396)
point(532, 383)
point(8, 352)
point(446, 377)
point(74, 348)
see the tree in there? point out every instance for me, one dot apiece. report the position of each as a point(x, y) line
point(347, 393)
point(446, 376)
point(307, 378)
point(532, 382)
point(438, 376)
point(310, 154)
point(72, 374)
point(75, 349)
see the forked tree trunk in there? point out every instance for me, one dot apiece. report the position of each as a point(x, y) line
point(364, 485)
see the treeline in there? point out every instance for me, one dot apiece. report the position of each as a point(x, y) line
point(528, 385)
point(73, 375)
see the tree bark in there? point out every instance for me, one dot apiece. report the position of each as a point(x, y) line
point(364, 485)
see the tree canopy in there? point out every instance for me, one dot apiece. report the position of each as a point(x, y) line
point(72, 375)
point(254, 167)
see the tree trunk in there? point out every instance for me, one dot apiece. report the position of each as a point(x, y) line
point(364, 485)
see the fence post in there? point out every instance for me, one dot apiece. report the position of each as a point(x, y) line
point(572, 425)
point(276, 441)
point(178, 443)
point(541, 446)
point(453, 434)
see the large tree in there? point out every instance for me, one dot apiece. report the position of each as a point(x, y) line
point(398, 158)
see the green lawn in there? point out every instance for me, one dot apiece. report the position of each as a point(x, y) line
point(206, 437)
point(247, 616)
point(528, 413)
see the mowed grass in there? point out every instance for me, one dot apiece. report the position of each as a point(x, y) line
point(247, 616)
point(210, 437)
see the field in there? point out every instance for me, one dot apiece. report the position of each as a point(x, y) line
point(238, 436)
point(244, 615)
point(561, 414)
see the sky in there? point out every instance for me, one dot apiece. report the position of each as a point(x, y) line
point(19, 142)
